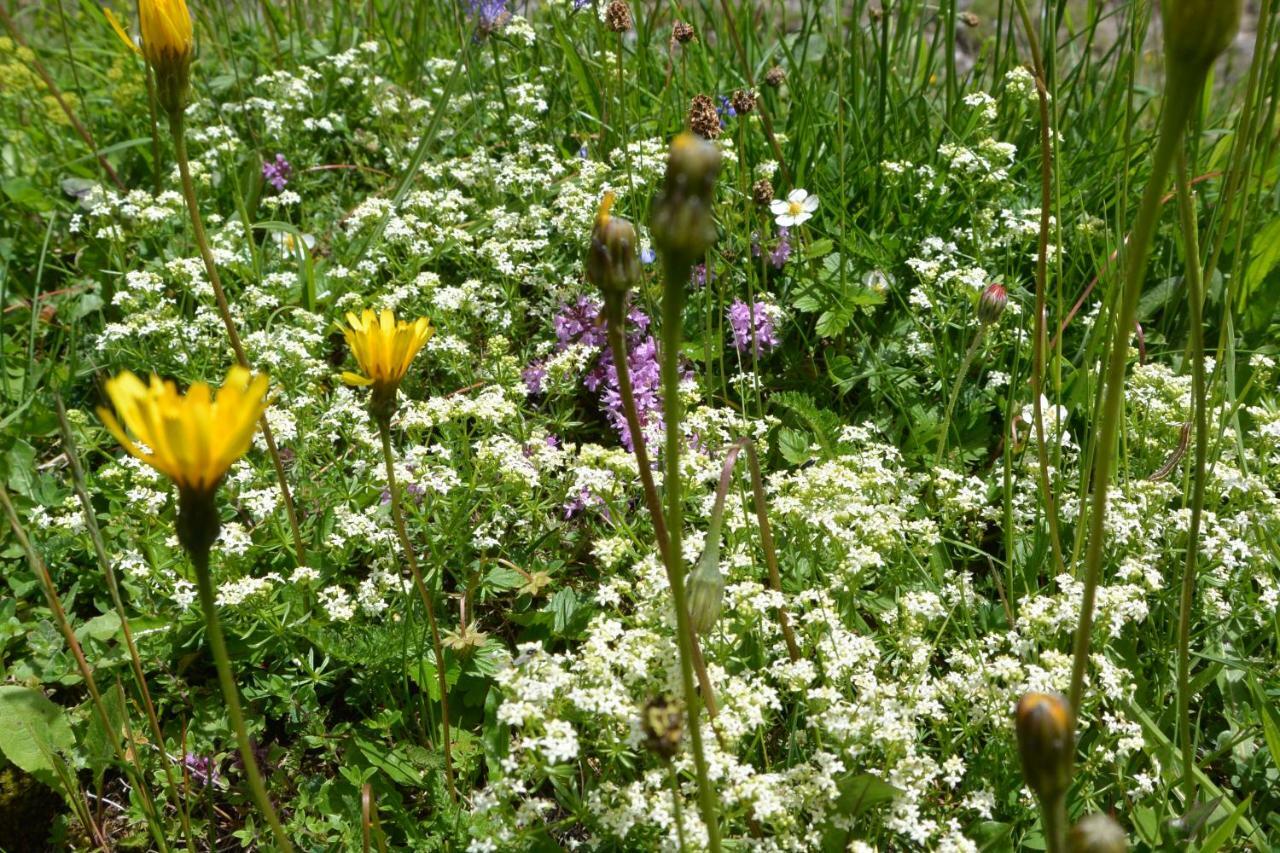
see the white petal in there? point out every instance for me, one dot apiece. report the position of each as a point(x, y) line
point(797, 195)
point(811, 203)
point(802, 217)
point(786, 220)
point(778, 206)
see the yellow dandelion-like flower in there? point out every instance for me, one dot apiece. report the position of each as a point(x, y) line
point(167, 43)
point(383, 347)
point(193, 438)
point(166, 29)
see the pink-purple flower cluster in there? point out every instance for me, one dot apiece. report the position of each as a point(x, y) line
point(277, 172)
point(582, 322)
point(752, 327)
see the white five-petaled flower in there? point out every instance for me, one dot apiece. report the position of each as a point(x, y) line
point(795, 209)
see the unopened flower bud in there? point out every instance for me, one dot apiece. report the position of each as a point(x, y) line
point(705, 588)
point(662, 721)
point(1097, 833)
point(613, 264)
point(992, 303)
point(1196, 32)
point(1046, 742)
point(682, 224)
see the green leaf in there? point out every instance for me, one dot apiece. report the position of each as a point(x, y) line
point(21, 464)
point(23, 193)
point(835, 319)
point(563, 604)
point(1265, 257)
point(793, 444)
point(1222, 834)
point(1270, 723)
point(32, 730)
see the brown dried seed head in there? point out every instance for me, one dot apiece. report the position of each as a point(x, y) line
point(762, 192)
point(682, 33)
point(703, 118)
point(743, 101)
point(775, 76)
point(970, 20)
point(617, 16)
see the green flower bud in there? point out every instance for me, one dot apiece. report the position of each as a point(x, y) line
point(1097, 833)
point(991, 304)
point(612, 262)
point(1196, 32)
point(705, 587)
point(1046, 742)
point(682, 224)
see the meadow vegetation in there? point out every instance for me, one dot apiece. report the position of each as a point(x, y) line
point(771, 425)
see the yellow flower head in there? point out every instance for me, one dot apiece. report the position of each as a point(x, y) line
point(167, 41)
point(383, 347)
point(193, 438)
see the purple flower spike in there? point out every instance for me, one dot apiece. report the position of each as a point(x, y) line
point(277, 172)
point(752, 327)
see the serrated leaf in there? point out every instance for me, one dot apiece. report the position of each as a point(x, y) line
point(793, 444)
point(835, 319)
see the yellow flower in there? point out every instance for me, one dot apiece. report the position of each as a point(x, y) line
point(166, 29)
point(167, 41)
point(383, 348)
point(193, 438)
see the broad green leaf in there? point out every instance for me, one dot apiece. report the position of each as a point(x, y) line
point(32, 729)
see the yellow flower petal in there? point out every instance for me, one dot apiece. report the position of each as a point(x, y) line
point(120, 31)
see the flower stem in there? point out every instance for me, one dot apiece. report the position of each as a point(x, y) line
point(218, 645)
point(1195, 295)
point(384, 430)
point(614, 318)
point(956, 386)
point(1182, 92)
point(677, 282)
point(1053, 817)
point(177, 129)
point(1042, 286)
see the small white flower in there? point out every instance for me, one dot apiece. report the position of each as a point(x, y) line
point(796, 209)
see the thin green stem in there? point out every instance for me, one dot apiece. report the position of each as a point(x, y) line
point(227, 681)
point(178, 131)
point(677, 282)
point(1042, 286)
point(965, 363)
point(1182, 92)
point(1195, 297)
point(393, 487)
